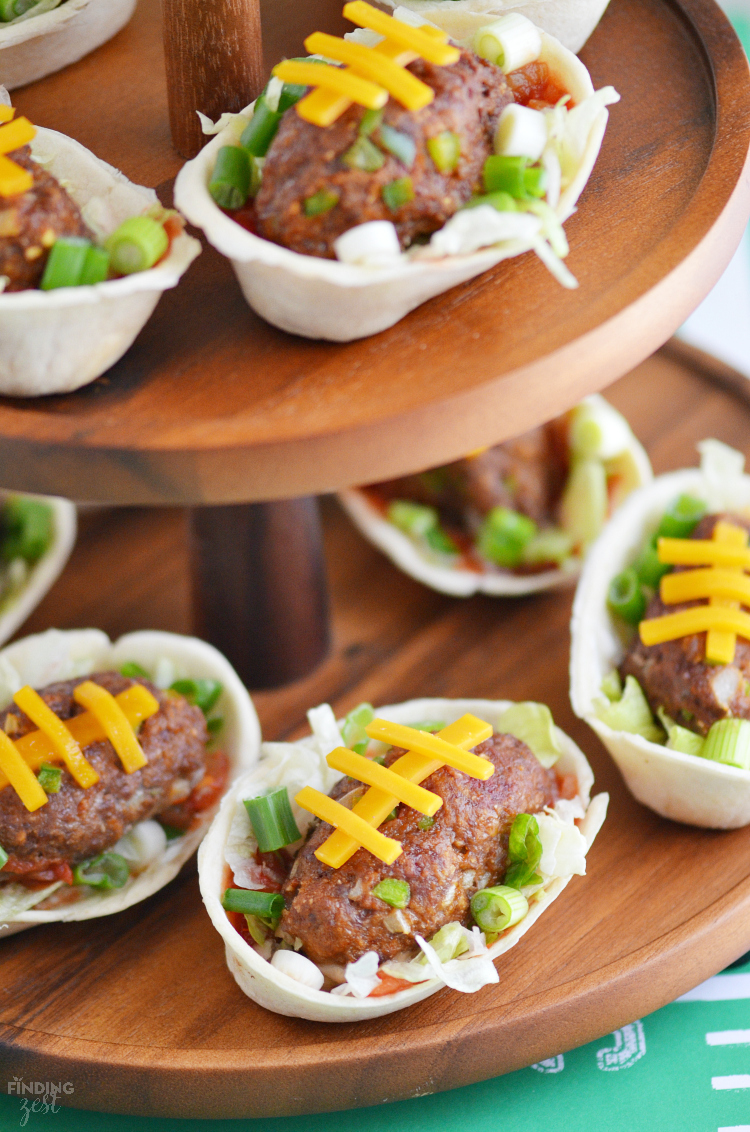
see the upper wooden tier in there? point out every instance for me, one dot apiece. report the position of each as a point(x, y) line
point(212, 405)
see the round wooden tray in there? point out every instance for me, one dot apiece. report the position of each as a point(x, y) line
point(212, 405)
point(139, 1012)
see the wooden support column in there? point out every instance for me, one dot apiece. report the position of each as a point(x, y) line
point(214, 56)
point(259, 587)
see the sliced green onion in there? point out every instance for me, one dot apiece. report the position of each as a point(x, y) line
point(50, 778)
point(425, 823)
point(392, 891)
point(230, 181)
point(361, 747)
point(138, 243)
point(95, 267)
point(379, 759)
point(133, 670)
point(439, 540)
point(612, 686)
point(393, 814)
point(497, 908)
point(27, 529)
point(371, 119)
point(630, 713)
point(524, 852)
point(320, 202)
point(428, 725)
point(364, 154)
point(261, 129)
point(401, 145)
point(514, 175)
point(728, 742)
point(272, 820)
point(681, 517)
point(550, 545)
point(8, 10)
point(583, 507)
point(353, 729)
point(625, 596)
point(503, 536)
point(171, 831)
point(648, 567)
point(503, 202)
point(215, 724)
point(532, 723)
point(65, 263)
point(445, 151)
point(203, 693)
point(290, 95)
point(108, 870)
point(397, 193)
point(3, 858)
point(413, 519)
point(268, 905)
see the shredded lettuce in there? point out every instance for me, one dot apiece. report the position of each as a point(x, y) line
point(680, 738)
point(17, 898)
point(563, 846)
point(361, 976)
point(597, 431)
point(325, 728)
point(630, 713)
point(532, 723)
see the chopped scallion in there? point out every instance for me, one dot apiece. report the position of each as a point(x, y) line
point(95, 267)
point(320, 202)
point(272, 820)
point(65, 263)
point(648, 567)
point(412, 518)
point(371, 119)
point(353, 729)
point(513, 175)
point(50, 778)
point(363, 154)
point(133, 670)
point(728, 741)
point(428, 725)
point(445, 151)
point(625, 596)
point(108, 870)
point(137, 244)
point(3, 858)
point(393, 891)
point(399, 144)
point(172, 832)
point(497, 908)
point(397, 193)
point(290, 95)
point(230, 181)
point(261, 129)
point(215, 724)
point(424, 823)
point(439, 540)
point(203, 693)
point(502, 201)
point(681, 517)
point(524, 851)
point(268, 905)
point(504, 535)
point(27, 529)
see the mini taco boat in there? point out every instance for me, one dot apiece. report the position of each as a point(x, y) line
point(91, 829)
point(570, 21)
point(326, 225)
point(346, 945)
point(509, 520)
point(37, 534)
point(38, 37)
point(672, 710)
point(71, 304)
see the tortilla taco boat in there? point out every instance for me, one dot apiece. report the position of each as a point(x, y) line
point(90, 825)
point(490, 846)
point(512, 519)
point(38, 37)
point(84, 258)
point(571, 22)
point(37, 534)
point(660, 657)
point(339, 218)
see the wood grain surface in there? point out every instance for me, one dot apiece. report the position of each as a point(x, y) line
point(212, 405)
point(140, 1012)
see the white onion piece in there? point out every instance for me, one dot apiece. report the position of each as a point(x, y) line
point(371, 244)
point(510, 42)
point(521, 132)
point(298, 968)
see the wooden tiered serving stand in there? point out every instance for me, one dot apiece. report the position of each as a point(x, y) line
point(214, 411)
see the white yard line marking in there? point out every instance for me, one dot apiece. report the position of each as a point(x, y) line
point(735, 1128)
point(721, 988)
point(736, 1081)
point(728, 1038)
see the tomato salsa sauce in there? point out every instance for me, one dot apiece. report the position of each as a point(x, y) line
point(534, 86)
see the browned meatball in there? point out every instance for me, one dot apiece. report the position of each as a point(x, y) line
point(305, 159)
point(76, 824)
point(334, 912)
point(526, 474)
point(674, 675)
point(30, 224)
